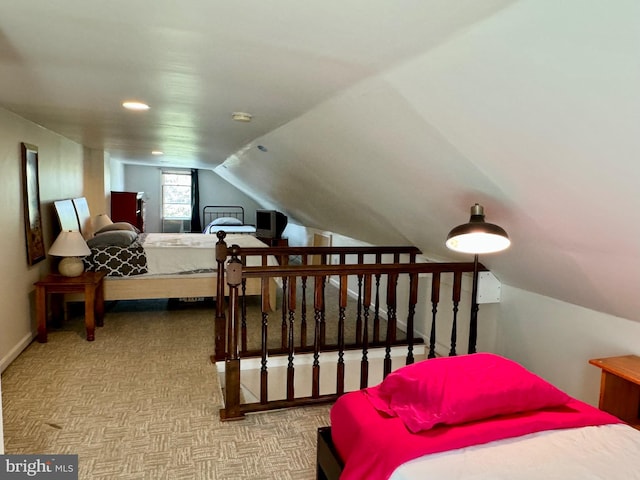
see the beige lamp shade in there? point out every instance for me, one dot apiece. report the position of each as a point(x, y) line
point(101, 221)
point(477, 236)
point(71, 246)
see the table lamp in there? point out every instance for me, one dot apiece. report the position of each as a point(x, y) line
point(476, 237)
point(71, 246)
point(101, 221)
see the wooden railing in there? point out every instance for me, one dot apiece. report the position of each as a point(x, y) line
point(368, 298)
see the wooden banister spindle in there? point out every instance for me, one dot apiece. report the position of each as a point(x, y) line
point(376, 308)
point(413, 300)
point(473, 321)
point(364, 364)
point(303, 308)
point(285, 308)
point(343, 305)
point(264, 347)
point(323, 312)
point(243, 313)
point(318, 307)
point(435, 299)
point(455, 297)
point(392, 281)
point(358, 338)
point(291, 293)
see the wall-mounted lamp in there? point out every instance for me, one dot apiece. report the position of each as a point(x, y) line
point(477, 237)
point(71, 246)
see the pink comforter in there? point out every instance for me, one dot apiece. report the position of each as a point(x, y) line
point(373, 445)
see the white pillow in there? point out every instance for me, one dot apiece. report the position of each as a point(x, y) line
point(226, 221)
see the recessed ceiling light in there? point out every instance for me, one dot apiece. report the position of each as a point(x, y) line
point(130, 105)
point(241, 116)
point(157, 152)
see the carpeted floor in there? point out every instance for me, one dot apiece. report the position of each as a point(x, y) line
point(142, 400)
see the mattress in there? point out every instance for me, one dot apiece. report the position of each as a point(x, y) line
point(478, 416)
point(561, 443)
point(607, 452)
point(172, 253)
point(213, 229)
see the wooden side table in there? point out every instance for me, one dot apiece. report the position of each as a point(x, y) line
point(620, 387)
point(89, 283)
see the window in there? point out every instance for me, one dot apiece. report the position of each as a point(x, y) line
point(176, 194)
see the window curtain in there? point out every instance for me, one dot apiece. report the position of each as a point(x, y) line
point(196, 226)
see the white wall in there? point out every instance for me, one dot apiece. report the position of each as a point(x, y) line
point(61, 170)
point(147, 180)
point(214, 190)
point(556, 339)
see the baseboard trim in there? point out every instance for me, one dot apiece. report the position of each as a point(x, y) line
point(16, 350)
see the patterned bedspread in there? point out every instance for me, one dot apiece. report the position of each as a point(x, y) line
point(118, 261)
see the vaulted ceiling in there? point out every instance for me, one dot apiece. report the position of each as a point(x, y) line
point(380, 120)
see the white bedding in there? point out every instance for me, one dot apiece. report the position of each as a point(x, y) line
point(609, 452)
point(213, 229)
point(170, 253)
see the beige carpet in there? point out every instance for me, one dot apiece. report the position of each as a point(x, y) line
point(141, 402)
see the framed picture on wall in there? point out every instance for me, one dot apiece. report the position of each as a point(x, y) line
point(31, 201)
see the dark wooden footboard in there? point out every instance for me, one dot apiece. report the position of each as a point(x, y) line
point(329, 464)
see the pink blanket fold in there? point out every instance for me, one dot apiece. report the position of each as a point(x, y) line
point(373, 445)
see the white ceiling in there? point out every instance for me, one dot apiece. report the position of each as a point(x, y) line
point(382, 120)
point(68, 65)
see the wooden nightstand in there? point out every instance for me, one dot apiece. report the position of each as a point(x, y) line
point(620, 387)
point(89, 283)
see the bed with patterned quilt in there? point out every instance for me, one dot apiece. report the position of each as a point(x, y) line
point(152, 265)
point(477, 416)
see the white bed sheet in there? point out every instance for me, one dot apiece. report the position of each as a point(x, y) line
point(608, 452)
point(213, 229)
point(171, 253)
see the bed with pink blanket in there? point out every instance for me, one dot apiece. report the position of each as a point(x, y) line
point(477, 416)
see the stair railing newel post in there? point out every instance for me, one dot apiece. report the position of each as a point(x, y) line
point(220, 321)
point(232, 361)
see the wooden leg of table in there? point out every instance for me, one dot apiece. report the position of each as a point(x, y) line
point(89, 311)
point(56, 304)
point(41, 313)
point(99, 305)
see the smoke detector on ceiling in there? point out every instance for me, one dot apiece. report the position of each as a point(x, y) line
point(241, 116)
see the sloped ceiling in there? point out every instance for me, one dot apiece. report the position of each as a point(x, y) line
point(533, 112)
point(383, 121)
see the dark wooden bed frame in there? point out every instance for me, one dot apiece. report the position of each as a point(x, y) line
point(329, 464)
point(213, 212)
